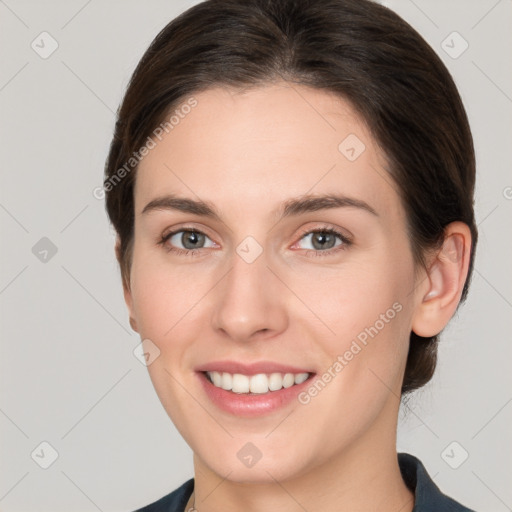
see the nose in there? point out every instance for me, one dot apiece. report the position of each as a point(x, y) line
point(251, 301)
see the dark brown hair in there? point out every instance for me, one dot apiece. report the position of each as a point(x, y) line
point(361, 51)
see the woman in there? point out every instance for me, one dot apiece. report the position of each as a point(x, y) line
point(291, 183)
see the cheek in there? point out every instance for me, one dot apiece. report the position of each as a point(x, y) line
point(163, 295)
point(353, 297)
point(368, 311)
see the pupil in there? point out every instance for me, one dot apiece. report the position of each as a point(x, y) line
point(321, 236)
point(191, 235)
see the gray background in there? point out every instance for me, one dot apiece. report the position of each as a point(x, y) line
point(67, 369)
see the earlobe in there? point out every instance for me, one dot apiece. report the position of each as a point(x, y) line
point(133, 324)
point(126, 290)
point(129, 303)
point(438, 299)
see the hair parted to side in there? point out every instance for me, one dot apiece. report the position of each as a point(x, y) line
point(361, 51)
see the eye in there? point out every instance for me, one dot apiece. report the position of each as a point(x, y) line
point(323, 241)
point(190, 239)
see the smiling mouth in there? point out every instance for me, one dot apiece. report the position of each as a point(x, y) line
point(257, 384)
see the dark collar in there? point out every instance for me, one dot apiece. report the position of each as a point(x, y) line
point(427, 496)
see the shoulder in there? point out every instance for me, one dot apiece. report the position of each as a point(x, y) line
point(428, 497)
point(172, 502)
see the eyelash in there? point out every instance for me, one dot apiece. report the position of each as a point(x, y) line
point(346, 242)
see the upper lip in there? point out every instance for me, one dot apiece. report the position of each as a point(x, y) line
point(250, 368)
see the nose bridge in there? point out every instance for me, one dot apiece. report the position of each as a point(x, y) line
point(249, 301)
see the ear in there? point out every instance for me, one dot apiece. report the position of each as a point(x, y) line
point(126, 288)
point(439, 294)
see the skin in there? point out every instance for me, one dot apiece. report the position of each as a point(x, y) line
point(247, 152)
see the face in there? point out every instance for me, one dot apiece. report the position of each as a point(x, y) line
point(323, 289)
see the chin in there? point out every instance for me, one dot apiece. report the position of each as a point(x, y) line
point(265, 470)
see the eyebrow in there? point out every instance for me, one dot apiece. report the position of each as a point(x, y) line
point(290, 207)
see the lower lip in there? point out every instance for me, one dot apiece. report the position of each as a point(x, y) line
point(249, 406)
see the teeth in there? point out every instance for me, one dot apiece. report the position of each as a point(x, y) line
point(227, 381)
point(275, 382)
point(259, 383)
point(217, 379)
point(241, 383)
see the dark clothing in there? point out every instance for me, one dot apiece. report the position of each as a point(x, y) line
point(428, 497)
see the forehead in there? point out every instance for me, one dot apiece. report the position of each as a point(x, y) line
point(254, 148)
